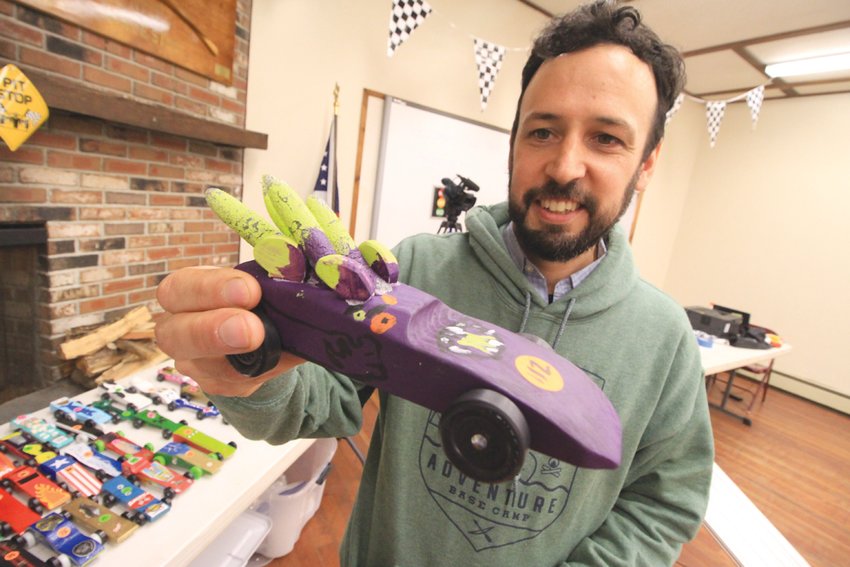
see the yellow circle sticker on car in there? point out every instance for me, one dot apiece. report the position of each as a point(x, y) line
point(539, 372)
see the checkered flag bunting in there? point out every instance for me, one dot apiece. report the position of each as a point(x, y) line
point(714, 111)
point(677, 104)
point(488, 58)
point(406, 16)
point(755, 98)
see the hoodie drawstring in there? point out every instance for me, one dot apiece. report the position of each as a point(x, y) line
point(525, 313)
point(561, 329)
point(564, 323)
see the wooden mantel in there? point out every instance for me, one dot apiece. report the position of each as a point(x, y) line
point(73, 96)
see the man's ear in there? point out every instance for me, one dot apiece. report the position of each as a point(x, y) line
point(647, 168)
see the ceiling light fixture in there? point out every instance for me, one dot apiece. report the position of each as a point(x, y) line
point(825, 64)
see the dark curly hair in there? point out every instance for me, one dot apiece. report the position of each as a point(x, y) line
point(606, 22)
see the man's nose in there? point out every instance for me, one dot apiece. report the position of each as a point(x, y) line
point(569, 162)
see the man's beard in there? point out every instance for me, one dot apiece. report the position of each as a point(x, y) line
point(550, 243)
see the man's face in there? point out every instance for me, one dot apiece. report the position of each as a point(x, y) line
point(576, 159)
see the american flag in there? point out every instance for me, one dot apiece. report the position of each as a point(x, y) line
point(326, 187)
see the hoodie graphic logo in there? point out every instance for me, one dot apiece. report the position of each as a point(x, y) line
point(495, 515)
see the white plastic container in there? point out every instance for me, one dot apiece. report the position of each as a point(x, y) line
point(294, 498)
point(235, 546)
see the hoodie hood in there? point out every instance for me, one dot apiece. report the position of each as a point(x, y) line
point(610, 283)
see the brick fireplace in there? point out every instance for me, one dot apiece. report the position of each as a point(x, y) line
point(113, 182)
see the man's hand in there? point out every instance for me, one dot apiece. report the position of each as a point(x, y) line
point(207, 309)
point(207, 318)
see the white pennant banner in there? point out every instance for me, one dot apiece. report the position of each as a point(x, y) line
point(755, 98)
point(714, 111)
point(405, 17)
point(488, 58)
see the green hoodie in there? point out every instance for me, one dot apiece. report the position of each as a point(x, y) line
point(414, 509)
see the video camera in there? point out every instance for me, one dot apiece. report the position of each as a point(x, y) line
point(458, 200)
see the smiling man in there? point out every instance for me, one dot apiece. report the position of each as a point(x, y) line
point(579, 154)
point(550, 262)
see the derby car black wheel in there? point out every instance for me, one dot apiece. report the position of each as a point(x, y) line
point(263, 359)
point(485, 435)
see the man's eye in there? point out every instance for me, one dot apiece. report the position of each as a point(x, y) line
point(541, 134)
point(608, 140)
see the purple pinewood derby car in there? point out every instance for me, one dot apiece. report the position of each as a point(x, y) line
point(499, 393)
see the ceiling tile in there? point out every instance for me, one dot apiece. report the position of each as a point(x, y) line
point(721, 71)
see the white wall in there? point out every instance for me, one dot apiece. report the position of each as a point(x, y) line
point(664, 200)
point(764, 229)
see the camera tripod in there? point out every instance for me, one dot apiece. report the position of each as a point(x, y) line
point(451, 224)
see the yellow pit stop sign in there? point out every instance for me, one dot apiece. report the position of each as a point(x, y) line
point(22, 110)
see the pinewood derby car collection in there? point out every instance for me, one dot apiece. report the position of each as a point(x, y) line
point(67, 485)
point(339, 305)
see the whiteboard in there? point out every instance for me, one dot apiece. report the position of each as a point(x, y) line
point(421, 146)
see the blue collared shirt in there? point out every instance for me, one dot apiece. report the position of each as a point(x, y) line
point(535, 277)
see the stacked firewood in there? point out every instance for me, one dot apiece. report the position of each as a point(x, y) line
point(113, 351)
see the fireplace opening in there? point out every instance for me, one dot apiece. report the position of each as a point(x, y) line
point(20, 369)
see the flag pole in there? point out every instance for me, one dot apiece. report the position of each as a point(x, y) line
point(334, 197)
